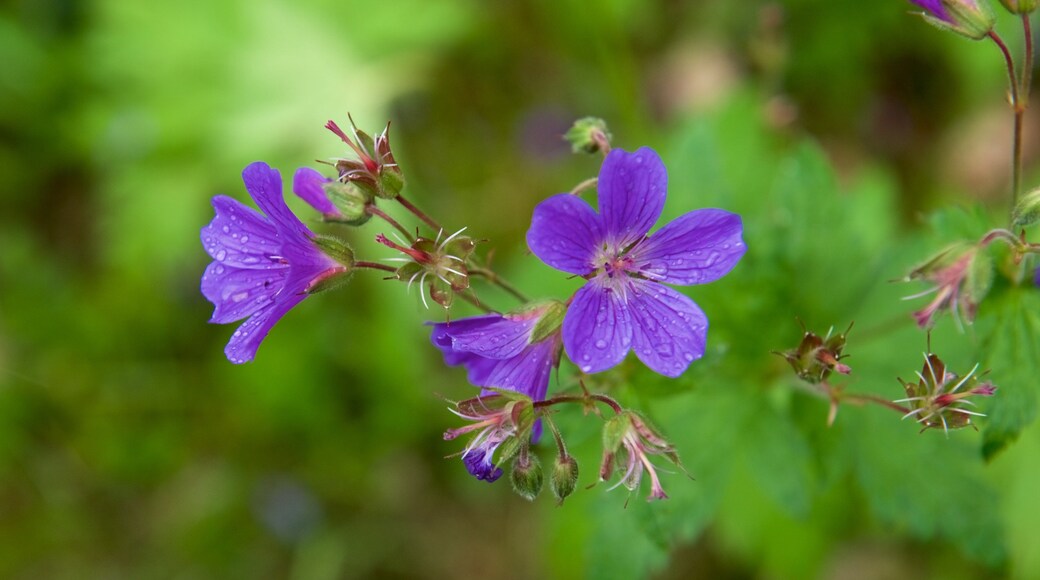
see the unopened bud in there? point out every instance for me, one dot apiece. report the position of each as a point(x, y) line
point(1019, 6)
point(971, 18)
point(589, 135)
point(1027, 210)
point(564, 477)
point(527, 475)
point(351, 201)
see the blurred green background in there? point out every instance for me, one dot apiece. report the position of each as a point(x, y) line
point(130, 448)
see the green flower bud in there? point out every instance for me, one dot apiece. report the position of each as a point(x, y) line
point(350, 200)
point(588, 135)
point(1027, 210)
point(1019, 6)
point(564, 477)
point(527, 476)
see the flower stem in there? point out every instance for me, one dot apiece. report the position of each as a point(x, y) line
point(419, 213)
point(375, 266)
point(877, 400)
point(614, 405)
point(1019, 111)
point(556, 434)
point(472, 299)
point(371, 209)
point(497, 280)
point(585, 186)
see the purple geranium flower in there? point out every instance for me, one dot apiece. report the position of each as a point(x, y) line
point(497, 350)
point(263, 266)
point(623, 306)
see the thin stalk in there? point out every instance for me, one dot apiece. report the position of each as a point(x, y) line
point(614, 405)
point(371, 209)
point(1027, 66)
point(492, 277)
point(874, 399)
point(468, 297)
point(556, 434)
point(419, 213)
point(375, 266)
point(1019, 110)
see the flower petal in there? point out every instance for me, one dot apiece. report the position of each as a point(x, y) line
point(565, 232)
point(632, 189)
point(597, 329)
point(492, 336)
point(695, 248)
point(239, 237)
point(669, 331)
point(247, 338)
point(307, 184)
point(478, 464)
point(239, 292)
point(526, 373)
point(264, 184)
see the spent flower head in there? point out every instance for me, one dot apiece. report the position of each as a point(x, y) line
point(374, 170)
point(628, 443)
point(501, 422)
point(970, 18)
point(940, 398)
point(624, 306)
point(815, 358)
point(441, 263)
point(264, 265)
point(961, 276)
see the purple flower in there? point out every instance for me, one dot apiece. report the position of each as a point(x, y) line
point(263, 266)
point(500, 351)
point(623, 306)
point(493, 420)
point(309, 185)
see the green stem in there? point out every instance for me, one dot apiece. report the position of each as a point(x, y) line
point(614, 405)
point(874, 399)
point(1019, 110)
point(375, 266)
point(497, 280)
point(419, 213)
point(371, 209)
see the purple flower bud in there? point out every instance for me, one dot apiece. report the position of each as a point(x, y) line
point(965, 17)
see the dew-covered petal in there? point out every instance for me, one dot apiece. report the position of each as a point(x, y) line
point(527, 373)
point(264, 184)
point(565, 232)
point(492, 336)
point(669, 330)
point(597, 329)
point(247, 338)
point(697, 247)
point(307, 184)
point(239, 237)
point(632, 189)
point(239, 292)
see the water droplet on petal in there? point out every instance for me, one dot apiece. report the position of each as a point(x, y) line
point(586, 368)
point(601, 343)
point(245, 239)
point(226, 229)
point(221, 255)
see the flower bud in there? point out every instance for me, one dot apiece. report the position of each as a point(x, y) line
point(589, 135)
point(1019, 6)
point(971, 18)
point(1027, 210)
point(527, 475)
point(564, 477)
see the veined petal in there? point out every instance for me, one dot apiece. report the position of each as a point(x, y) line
point(669, 330)
point(526, 373)
point(492, 336)
point(307, 184)
point(247, 338)
point(238, 292)
point(632, 189)
point(697, 247)
point(240, 237)
point(597, 329)
point(565, 232)
point(264, 184)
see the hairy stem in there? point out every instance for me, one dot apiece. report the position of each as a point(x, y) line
point(492, 277)
point(1019, 111)
point(419, 213)
point(375, 266)
point(371, 209)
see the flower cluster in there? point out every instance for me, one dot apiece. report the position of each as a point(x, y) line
point(266, 264)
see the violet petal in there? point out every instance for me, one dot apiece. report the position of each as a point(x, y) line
point(669, 330)
point(264, 184)
point(697, 247)
point(934, 8)
point(239, 237)
point(237, 293)
point(307, 185)
point(492, 336)
point(565, 233)
point(247, 338)
point(597, 329)
point(632, 189)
